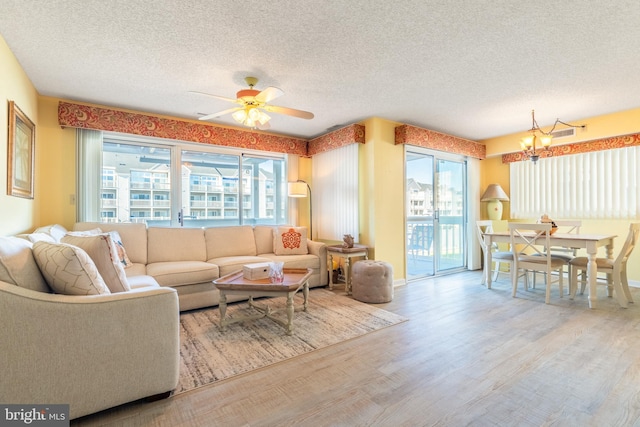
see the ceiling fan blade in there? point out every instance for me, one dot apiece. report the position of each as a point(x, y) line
point(268, 94)
point(224, 98)
point(288, 111)
point(221, 113)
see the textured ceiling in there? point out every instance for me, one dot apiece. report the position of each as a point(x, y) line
point(472, 68)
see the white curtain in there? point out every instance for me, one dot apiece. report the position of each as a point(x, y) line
point(89, 181)
point(474, 254)
point(599, 184)
point(335, 193)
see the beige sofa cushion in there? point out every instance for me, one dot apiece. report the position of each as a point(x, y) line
point(17, 265)
point(230, 241)
point(232, 264)
point(103, 251)
point(264, 238)
point(68, 269)
point(290, 241)
point(175, 244)
point(183, 272)
point(296, 261)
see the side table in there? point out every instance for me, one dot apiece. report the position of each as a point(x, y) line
point(345, 253)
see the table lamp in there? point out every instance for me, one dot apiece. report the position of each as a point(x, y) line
point(494, 195)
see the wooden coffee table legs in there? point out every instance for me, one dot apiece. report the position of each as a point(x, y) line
point(264, 310)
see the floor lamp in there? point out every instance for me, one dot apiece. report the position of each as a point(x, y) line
point(299, 189)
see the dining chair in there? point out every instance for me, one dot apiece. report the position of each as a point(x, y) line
point(498, 257)
point(568, 226)
point(616, 269)
point(529, 245)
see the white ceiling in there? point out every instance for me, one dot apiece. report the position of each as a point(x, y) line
point(470, 68)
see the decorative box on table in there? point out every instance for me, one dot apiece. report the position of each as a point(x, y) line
point(256, 271)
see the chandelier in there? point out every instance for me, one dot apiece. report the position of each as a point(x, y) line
point(528, 143)
point(251, 116)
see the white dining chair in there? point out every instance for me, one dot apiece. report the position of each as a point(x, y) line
point(615, 268)
point(498, 257)
point(569, 226)
point(529, 245)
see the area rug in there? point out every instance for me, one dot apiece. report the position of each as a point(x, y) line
point(208, 355)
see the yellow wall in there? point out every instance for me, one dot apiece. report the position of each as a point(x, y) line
point(57, 167)
point(494, 171)
point(382, 214)
point(17, 214)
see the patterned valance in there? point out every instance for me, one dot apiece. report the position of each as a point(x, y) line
point(108, 119)
point(580, 147)
point(351, 134)
point(426, 138)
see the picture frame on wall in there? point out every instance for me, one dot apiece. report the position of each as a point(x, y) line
point(21, 144)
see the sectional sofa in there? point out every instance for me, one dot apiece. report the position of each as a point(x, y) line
point(98, 350)
point(189, 259)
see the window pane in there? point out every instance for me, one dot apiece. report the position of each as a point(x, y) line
point(210, 191)
point(136, 184)
point(263, 190)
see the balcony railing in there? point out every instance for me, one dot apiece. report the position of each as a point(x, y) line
point(140, 203)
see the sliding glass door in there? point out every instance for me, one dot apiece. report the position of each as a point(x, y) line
point(435, 213)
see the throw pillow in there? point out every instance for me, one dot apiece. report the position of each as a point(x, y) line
point(17, 265)
point(56, 231)
point(122, 253)
point(36, 237)
point(290, 241)
point(102, 250)
point(68, 269)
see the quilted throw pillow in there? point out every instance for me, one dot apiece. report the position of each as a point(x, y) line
point(103, 251)
point(68, 269)
point(290, 241)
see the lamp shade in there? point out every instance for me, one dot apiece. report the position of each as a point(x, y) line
point(297, 189)
point(494, 192)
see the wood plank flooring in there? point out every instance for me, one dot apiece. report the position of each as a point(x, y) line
point(467, 356)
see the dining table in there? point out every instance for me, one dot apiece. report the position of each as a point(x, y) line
point(589, 242)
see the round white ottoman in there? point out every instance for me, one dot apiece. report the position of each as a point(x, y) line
point(372, 281)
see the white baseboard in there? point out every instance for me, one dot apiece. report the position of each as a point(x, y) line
point(634, 283)
point(402, 282)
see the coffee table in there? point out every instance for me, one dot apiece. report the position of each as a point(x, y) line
point(235, 284)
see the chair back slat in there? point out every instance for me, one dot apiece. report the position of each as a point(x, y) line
point(629, 243)
point(482, 227)
point(570, 226)
point(529, 237)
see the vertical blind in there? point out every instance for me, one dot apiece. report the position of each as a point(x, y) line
point(89, 179)
point(600, 184)
point(335, 193)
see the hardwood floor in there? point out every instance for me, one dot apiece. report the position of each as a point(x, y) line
point(467, 356)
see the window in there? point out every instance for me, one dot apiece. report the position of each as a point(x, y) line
point(599, 184)
point(158, 182)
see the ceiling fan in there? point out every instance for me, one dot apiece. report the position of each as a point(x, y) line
point(253, 104)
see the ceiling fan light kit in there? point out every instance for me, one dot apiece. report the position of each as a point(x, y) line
point(252, 103)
